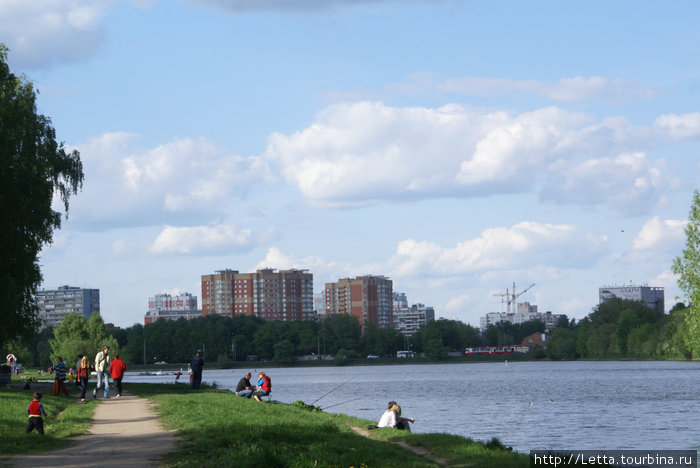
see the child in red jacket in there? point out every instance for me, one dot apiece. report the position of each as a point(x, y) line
point(35, 411)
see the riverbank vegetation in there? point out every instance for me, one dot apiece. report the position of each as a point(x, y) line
point(220, 429)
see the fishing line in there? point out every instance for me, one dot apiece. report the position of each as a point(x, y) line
point(333, 390)
point(324, 409)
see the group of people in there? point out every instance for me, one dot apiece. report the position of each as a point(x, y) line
point(262, 388)
point(392, 418)
point(104, 366)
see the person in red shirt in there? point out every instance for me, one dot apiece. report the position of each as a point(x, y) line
point(117, 368)
point(35, 411)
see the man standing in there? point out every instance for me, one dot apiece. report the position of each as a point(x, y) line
point(244, 388)
point(117, 369)
point(102, 369)
point(197, 366)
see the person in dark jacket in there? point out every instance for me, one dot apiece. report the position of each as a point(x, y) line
point(197, 366)
point(244, 388)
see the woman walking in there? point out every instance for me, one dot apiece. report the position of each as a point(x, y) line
point(83, 375)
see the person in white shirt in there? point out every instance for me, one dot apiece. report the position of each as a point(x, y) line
point(102, 368)
point(392, 418)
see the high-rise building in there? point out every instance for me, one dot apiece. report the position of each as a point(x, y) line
point(526, 312)
point(369, 298)
point(285, 295)
point(652, 297)
point(54, 304)
point(167, 307)
point(407, 320)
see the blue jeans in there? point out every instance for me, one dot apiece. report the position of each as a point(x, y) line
point(102, 378)
point(245, 393)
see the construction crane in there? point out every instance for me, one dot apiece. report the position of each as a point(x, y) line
point(511, 297)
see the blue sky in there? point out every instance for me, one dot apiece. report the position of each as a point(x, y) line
point(454, 146)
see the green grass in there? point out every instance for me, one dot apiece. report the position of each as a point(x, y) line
point(221, 429)
point(64, 419)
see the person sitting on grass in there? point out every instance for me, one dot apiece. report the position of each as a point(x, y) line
point(35, 411)
point(392, 418)
point(264, 386)
point(244, 387)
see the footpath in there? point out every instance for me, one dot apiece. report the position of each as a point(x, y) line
point(125, 432)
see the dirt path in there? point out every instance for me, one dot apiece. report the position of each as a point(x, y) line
point(417, 450)
point(124, 432)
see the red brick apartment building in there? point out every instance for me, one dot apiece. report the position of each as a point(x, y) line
point(285, 295)
point(369, 298)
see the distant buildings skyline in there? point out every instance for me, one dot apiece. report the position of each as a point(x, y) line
point(369, 298)
point(55, 304)
point(166, 307)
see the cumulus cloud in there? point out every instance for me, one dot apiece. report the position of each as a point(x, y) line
point(366, 152)
point(40, 33)
point(179, 180)
point(659, 239)
point(577, 88)
point(679, 127)
point(525, 245)
point(203, 239)
point(275, 258)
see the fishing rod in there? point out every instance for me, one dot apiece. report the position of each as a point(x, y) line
point(333, 390)
point(337, 404)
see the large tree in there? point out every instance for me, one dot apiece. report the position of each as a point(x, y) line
point(687, 267)
point(34, 168)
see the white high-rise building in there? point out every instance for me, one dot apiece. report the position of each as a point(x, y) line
point(167, 307)
point(652, 297)
point(54, 304)
point(525, 312)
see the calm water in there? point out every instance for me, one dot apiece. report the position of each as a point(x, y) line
point(527, 405)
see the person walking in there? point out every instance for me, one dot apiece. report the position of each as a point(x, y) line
point(84, 369)
point(59, 370)
point(117, 368)
point(197, 367)
point(102, 368)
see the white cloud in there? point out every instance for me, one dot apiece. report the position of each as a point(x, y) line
point(202, 239)
point(457, 303)
point(525, 245)
point(577, 88)
point(321, 268)
point(40, 33)
point(179, 180)
point(367, 152)
point(659, 239)
point(679, 127)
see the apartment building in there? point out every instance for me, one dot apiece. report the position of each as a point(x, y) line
point(651, 296)
point(167, 307)
point(285, 295)
point(54, 304)
point(369, 298)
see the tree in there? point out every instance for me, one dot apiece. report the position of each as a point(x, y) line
point(77, 335)
point(687, 267)
point(33, 169)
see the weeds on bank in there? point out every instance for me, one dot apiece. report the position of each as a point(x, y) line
point(64, 419)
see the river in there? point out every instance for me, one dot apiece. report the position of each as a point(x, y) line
point(578, 405)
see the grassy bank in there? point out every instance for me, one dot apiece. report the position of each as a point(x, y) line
point(64, 419)
point(220, 429)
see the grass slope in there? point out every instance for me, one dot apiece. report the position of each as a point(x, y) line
point(64, 419)
point(221, 429)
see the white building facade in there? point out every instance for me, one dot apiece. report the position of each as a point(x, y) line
point(55, 304)
point(167, 307)
point(652, 297)
point(525, 313)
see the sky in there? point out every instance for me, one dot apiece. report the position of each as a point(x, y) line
point(454, 146)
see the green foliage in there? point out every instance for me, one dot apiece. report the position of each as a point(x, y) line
point(507, 333)
point(80, 336)
point(34, 168)
point(435, 350)
point(687, 267)
point(307, 407)
point(284, 352)
point(343, 356)
point(224, 362)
